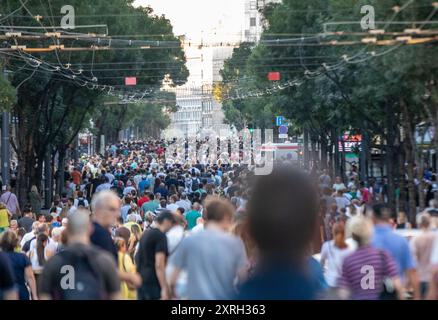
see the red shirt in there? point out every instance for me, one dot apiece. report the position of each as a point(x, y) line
point(77, 176)
point(142, 200)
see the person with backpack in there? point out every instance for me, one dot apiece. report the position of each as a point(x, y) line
point(11, 202)
point(80, 201)
point(81, 271)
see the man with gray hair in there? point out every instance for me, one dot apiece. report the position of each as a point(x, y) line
point(81, 271)
point(184, 203)
point(106, 209)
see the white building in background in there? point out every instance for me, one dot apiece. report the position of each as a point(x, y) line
point(198, 111)
point(253, 25)
point(187, 121)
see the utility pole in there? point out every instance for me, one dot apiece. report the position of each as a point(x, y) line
point(6, 148)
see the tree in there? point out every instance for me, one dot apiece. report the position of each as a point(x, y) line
point(383, 93)
point(51, 108)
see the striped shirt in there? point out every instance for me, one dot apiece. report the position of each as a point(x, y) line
point(363, 272)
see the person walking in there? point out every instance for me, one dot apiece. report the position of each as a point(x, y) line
point(151, 259)
point(95, 276)
point(364, 272)
point(35, 199)
point(21, 266)
point(213, 259)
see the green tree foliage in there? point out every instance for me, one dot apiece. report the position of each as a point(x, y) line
point(8, 95)
point(52, 109)
point(382, 92)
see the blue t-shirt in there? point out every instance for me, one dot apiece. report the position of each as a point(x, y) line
point(284, 283)
point(102, 239)
point(397, 246)
point(142, 185)
point(19, 262)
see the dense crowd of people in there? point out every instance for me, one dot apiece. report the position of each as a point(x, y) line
point(132, 225)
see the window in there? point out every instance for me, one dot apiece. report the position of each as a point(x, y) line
point(252, 22)
point(253, 5)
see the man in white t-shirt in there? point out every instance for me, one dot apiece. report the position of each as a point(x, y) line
point(339, 185)
point(341, 200)
point(184, 203)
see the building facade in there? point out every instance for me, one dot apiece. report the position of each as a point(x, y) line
point(253, 24)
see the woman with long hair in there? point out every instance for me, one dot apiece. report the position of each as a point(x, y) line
point(134, 239)
point(333, 253)
point(125, 264)
point(21, 266)
point(35, 199)
point(38, 255)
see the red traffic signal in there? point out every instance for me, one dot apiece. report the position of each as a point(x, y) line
point(274, 76)
point(130, 81)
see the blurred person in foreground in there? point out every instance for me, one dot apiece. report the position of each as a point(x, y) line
point(214, 259)
point(385, 238)
point(21, 266)
point(365, 271)
point(8, 290)
point(93, 272)
point(282, 218)
point(421, 247)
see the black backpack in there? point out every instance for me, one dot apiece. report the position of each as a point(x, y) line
point(26, 246)
point(81, 202)
point(195, 184)
point(88, 281)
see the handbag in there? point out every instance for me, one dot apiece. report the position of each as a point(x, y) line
point(388, 291)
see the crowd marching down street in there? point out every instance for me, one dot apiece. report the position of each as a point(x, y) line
point(132, 225)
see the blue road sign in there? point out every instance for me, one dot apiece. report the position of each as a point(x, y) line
point(283, 130)
point(279, 120)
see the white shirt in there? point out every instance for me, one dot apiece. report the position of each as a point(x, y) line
point(339, 186)
point(76, 203)
point(174, 237)
point(34, 256)
point(185, 204)
point(198, 228)
point(26, 238)
point(137, 179)
point(172, 207)
point(332, 258)
point(342, 202)
point(127, 190)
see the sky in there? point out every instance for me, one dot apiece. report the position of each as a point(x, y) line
point(197, 18)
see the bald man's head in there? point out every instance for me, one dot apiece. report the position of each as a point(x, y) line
point(106, 208)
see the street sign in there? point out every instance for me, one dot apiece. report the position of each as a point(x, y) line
point(283, 130)
point(279, 121)
point(283, 136)
point(130, 81)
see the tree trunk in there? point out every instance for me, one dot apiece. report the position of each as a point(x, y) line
point(409, 145)
point(306, 147)
point(61, 165)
